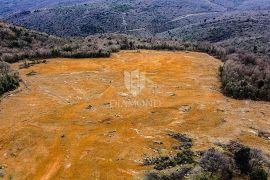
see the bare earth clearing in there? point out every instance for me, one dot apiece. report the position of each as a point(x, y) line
point(76, 119)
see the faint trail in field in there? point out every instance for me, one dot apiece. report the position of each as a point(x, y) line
point(52, 170)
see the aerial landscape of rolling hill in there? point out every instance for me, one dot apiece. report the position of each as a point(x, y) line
point(135, 89)
point(242, 23)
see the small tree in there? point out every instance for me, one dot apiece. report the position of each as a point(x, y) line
point(242, 158)
point(214, 162)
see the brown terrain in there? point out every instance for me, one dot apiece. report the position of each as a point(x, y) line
point(76, 119)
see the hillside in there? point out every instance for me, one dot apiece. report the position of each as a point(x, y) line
point(9, 7)
point(106, 16)
point(18, 43)
point(242, 23)
point(245, 30)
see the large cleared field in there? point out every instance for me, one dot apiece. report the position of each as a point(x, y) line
point(79, 118)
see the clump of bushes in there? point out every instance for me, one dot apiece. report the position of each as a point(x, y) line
point(186, 156)
point(9, 80)
point(183, 156)
point(18, 43)
point(246, 77)
point(233, 160)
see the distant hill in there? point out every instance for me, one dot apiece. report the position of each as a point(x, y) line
point(242, 23)
point(9, 7)
point(107, 16)
point(245, 30)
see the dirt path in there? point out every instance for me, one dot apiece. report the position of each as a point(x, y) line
point(98, 118)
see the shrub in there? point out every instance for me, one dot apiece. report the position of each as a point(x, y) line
point(67, 48)
point(165, 164)
point(215, 162)
point(242, 158)
point(55, 52)
point(256, 159)
point(234, 146)
point(181, 137)
point(184, 157)
point(7, 57)
point(8, 82)
point(258, 174)
point(178, 173)
point(4, 67)
point(160, 163)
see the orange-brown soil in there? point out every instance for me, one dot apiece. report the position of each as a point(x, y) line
point(76, 119)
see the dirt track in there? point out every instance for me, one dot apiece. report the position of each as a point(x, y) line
point(78, 120)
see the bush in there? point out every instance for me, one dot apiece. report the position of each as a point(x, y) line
point(184, 157)
point(258, 174)
point(234, 146)
point(215, 162)
point(160, 163)
point(55, 52)
point(242, 158)
point(165, 164)
point(8, 82)
point(178, 173)
point(4, 67)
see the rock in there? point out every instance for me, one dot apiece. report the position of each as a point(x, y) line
point(117, 115)
point(136, 130)
point(244, 110)
point(157, 142)
point(107, 105)
point(220, 110)
point(185, 108)
point(89, 107)
point(123, 94)
point(111, 133)
point(170, 94)
point(253, 131)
